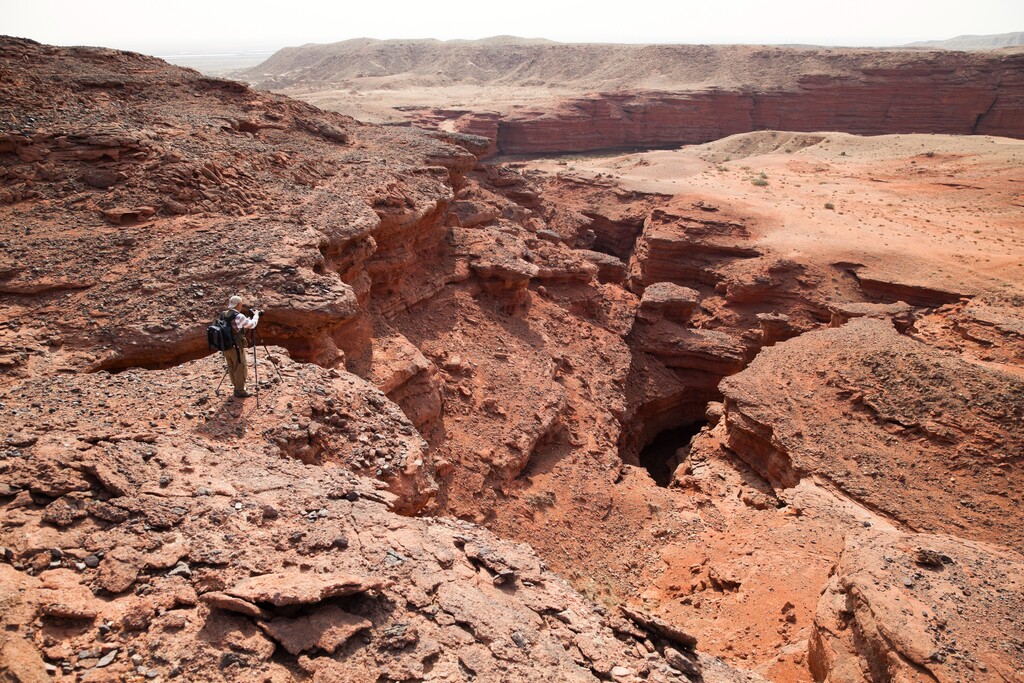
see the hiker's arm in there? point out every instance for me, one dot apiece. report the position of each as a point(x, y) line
point(245, 323)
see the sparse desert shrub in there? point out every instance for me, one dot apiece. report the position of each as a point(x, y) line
point(541, 500)
point(763, 175)
point(598, 593)
point(759, 182)
point(830, 206)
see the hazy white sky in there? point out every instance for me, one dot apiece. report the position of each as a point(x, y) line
point(160, 27)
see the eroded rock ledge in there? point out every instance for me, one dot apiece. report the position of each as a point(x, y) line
point(868, 409)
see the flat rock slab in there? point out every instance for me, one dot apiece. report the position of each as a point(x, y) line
point(870, 310)
point(231, 604)
point(326, 628)
point(661, 627)
point(669, 300)
point(296, 588)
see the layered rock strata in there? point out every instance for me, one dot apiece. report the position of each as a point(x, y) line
point(877, 102)
point(919, 607)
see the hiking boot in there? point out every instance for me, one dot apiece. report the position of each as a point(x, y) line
point(242, 394)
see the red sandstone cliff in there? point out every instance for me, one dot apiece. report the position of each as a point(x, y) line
point(927, 97)
point(651, 96)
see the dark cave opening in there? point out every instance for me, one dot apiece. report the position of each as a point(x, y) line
point(659, 456)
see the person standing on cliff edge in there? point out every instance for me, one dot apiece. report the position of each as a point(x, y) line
point(235, 357)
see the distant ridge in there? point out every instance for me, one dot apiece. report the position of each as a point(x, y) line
point(532, 62)
point(964, 43)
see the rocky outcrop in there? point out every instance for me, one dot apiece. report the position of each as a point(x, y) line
point(665, 300)
point(775, 327)
point(994, 320)
point(901, 313)
point(609, 268)
point(895, 287)
point(501, 263)
point(482, 124)
point(918, 607)
point(411, 230)
point(411, 381)
point(315, 429)
point(687, 245)
point(863, 406)
point(988, 328)
point(693, 351)
point(269, 197)
point(175, 541)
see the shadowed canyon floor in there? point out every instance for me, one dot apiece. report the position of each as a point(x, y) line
point(448, 475)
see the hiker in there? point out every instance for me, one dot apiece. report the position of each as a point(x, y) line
point(235, 356)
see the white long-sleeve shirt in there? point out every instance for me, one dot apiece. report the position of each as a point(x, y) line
point(243, 322)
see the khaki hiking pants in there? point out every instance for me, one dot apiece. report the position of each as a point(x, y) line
point(237, 368)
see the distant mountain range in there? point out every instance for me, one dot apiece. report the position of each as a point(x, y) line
point(992, 42)
point(508, 61)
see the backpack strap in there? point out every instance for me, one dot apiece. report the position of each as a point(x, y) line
point(229, 317)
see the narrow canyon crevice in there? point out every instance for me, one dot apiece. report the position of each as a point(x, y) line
point(669, 447)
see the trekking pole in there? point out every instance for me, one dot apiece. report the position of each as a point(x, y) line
point(256, 369)
point(259, 338)
point(217, 390)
